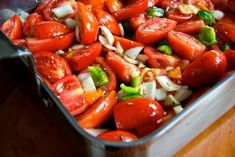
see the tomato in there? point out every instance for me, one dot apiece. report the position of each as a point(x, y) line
point(230, 54)
point(43, 5)
point(113, 5)
point(169, 3)
point(185, 45)
point(13, 28)
point(126, 43)
point(133, 113)
point(121, 68)
point(20, 42)
point(30, 21)
point(70, 93)
point(207, 3)
point(176, 15)
point(231, 5)
point(154, 30)
point(117, 136)
point(157, 59)
point(205, 69)
point(51, 66)
point(79, 59)
point(49, 29)
point(51, 44)
point(136, 21)
point(87, 24)
point(111, 85)
point(190, 27)
point(220, 4)
point(99, 112)
point(94, 3)
point(107, 20)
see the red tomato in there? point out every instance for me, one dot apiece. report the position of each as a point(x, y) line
point(13, 28)
point(94, 3)
point(20, 42)
point(111, 85)
point(230, 54)
point(190, 27)
point(30, 21)
point(88, 25)
point(43, 5)
point(121, 68)
point(51, 44)
point(207, 3)
point(99, 112)
point(136, 21)
point(220, 4)
point(107, 20)
point(117, 136)
point(51, 66)
point(205, 69)
point(70, 93)
point(231, 5)
point(176, 15)
point(49, 29)
point(126, 43)
point(133, 113)
point(157, 59)
point(169, 3)
point(79, 59)
point(185, 45)
point(154, 30)
point(113, 5)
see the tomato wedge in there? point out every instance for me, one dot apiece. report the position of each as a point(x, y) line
point(99, 112)
point(113, 5)
point(94, 3)
point(230, 54)
point(51, 44)
point(13, 28)
point(70, 93)
point(164, 4)
point(30, 21)
point(126, 43)
point(79, 59)
point(154, 30)
point(185, 45)
point(190, 27)
point(118, 136)
point(176, 15)
point(133, 113)
point(51, 66)
point(231, 5)
point(136, 21)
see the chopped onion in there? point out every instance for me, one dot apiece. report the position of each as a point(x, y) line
point(141, 65)
point(167, 84)
point(107, 34)
point(59, 52)
point(79, 46)
point(193, 8)
point(71, 23)
point(149, 89)
point(133, 52)
point(171, 101)
point(160, 94)
point(87, 82)
point(119, 49)
point(135, 74)
point(142, 58)
point(130, 60)
point(183, 94)
point(169, 68)
point(178, 109)
point(77, 34)
point(217, 14)
point(121, 29)
point(63, 11)
point(96, 132)
point(105, 43)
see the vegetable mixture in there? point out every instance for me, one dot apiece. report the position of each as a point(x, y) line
point(124, 68)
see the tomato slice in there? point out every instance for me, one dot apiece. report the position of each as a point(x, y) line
point(126, 43)
point(121, 68)
point(230, 54)
point(107, 20)
point(113, 5)
point(136, 21)
point(20, 42)
point(157, 59)
point(30, 21)
point(176, 15)
point(231, 5)
point(87, 24)
point(99, 112)
point(185, 45)
point(51, 66)
point(51, 44)
point(94, 3)
point(13, 28)
point(190, 27)
point(154, 30)
point(70, 93)
point(49, 29)
point(117, 136)
point(207, 3)
point(79, 59)
point(133, 113)
point(164, 4)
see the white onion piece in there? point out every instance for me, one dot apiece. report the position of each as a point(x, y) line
point(160, 94)
point(77, 34)
point(193, 8)
point(83, 76)
point(130, 60)
point(71, 23)
point(169, 68)
point(121, 29)
point(63, 11)
point(217, 14)
point(133, 52)
point(59, 52)
point(76, 47)
point(87, 82)
point(167, 84)
point(135, 74)
point(149, 89)
point(96, 132)
point(119, 49)
point(178, 109)
point(107, 34)
point(104, 42)
point(142, 58)
point(183, 94)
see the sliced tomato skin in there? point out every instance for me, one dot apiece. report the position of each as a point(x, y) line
point(157, 59)
point(126, 43)
point(121, 68)
point(100, 4)
point(205, 69)
point(133, 113)
point(164, 4)
point(118, 136)
point(231, 5)
point(70, 93)
point(191, 27)
point(99, 112)
point(20, 42)
point(50, 44)
point(154, 30)
point(13, 28)
point(136, 21)
point(31, 21)
point(185, 45)
point(176, 15)
point(113, 5)
point(230, 54)
point(51, 66)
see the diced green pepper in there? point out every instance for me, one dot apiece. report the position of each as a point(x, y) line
point(135, 82)
point(127, 90)
point(165, 49)
point(126, 97)
point(207, 36)
point(207, 16)
point(98, 75)
point(225, 47)
point(155, 12)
